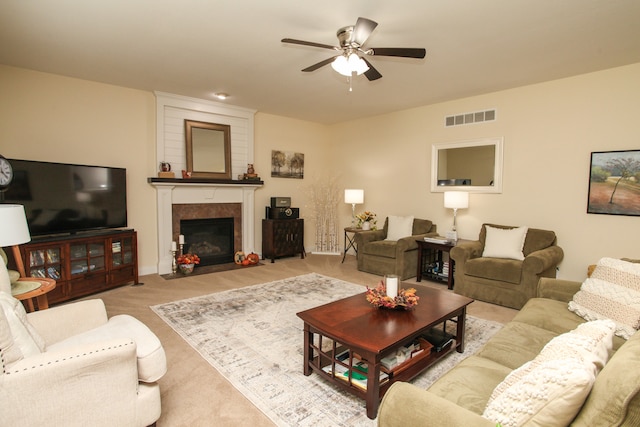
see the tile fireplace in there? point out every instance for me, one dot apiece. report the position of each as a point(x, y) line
point(188, 199)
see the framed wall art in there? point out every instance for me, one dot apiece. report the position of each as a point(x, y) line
point(614, 183)
point(287, 164)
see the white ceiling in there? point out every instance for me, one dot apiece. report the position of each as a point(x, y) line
point(198, 47)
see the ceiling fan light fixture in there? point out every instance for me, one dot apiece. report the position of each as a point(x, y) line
point(341, 65)
point(357, 64)
point(346, 67)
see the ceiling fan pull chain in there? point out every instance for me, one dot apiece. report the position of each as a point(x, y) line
point(350, 85)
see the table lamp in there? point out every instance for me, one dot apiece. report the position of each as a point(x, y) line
point(455, 200)
point(355, 197)
point(14, 231)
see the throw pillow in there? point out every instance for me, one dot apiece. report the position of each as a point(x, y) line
point(399, 227)
point(24, 335)
point(9, 350)
point(612, 292)
point(551, 389)
point(504, 243)
point(553, 392)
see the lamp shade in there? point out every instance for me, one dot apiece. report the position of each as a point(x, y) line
point(13, 225)
point(456, 199)
point(354, 196)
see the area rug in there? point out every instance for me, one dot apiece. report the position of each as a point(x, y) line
point(253, 337)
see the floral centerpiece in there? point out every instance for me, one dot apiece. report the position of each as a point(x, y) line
point(367, 220)
point(187, 262)
point(378, 297)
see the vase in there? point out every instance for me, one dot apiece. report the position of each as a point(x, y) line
point(186, 268)
point(366, 225)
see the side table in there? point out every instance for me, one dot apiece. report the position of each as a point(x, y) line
point(39, 293)
point(431, 254)
point(350, 241)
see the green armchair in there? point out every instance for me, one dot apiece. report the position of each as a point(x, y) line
point(400, 257)
point(503, 281)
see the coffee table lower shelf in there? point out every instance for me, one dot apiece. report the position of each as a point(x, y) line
point(404, 372)
point(332, 369)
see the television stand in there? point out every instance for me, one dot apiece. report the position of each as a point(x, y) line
point(84, 263)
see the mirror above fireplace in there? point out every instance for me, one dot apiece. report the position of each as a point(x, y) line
point(208, 148)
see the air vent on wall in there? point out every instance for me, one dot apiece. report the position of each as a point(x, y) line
point(468, 118)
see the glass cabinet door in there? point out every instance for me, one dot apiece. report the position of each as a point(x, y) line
point(45, 263)
point(122, 251)
point(86, 257)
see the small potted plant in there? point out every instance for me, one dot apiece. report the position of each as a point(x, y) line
point(187, 262)
point(367, 220)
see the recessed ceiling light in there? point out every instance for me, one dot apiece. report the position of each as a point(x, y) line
point(221, 95)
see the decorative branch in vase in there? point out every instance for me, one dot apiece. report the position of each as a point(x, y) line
point(323, 197)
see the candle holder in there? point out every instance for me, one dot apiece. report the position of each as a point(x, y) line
point(181, 249)
point(377, 297)
point(174, 264)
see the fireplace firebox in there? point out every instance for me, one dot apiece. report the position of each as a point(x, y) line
point(209, 238)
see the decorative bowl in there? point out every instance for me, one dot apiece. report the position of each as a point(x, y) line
point(186, 268)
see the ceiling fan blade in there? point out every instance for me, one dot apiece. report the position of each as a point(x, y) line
point(404, 52)
point(363, 29)
point(371, 73)
point(305, 43)
point(319, 64)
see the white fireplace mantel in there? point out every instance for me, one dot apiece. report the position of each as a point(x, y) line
point(186, 191)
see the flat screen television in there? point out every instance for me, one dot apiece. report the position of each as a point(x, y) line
point(62, 198)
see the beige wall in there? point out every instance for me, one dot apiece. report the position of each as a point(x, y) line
point(58, 119)
point(285, 134)
point(549, 131)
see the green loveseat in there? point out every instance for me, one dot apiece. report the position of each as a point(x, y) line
point(459, 397)
point(379, 256)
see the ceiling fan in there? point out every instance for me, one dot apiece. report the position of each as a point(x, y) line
point(351, 58)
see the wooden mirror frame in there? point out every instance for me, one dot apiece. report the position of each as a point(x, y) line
point(496, 142)
point(189, 125)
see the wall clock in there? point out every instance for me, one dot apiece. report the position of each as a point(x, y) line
point(6, 173)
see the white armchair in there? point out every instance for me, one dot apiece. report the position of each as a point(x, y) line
point(71, 365)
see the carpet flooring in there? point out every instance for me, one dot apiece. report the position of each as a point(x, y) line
point(253, 338)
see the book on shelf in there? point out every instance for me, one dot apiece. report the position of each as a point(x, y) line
point(438, 268)
point(358, 372)
point(406, 353)
point(437, 239)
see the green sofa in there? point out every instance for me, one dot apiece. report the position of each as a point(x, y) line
point(379, 256)
point(459, 397)
point(506, 282)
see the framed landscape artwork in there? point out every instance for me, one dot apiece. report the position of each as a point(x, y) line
point(287, 164)
point(614, 183)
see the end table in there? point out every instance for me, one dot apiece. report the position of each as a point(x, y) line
point(39, 293)
point(350, 241)
point(431, 253)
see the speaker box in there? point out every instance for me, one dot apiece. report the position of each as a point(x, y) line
point(282, 213)
point(281, 202)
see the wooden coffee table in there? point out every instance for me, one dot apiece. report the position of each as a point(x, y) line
point(352, 326)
